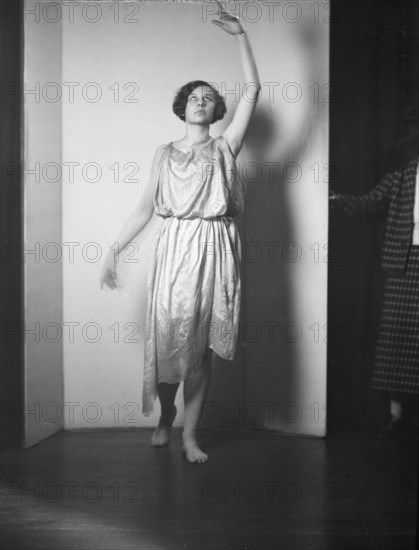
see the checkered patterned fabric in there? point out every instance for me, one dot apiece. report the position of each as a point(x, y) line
point(394, 194)
point(396, 363)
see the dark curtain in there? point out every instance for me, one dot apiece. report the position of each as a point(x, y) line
point(374, 79)
point(11, 287)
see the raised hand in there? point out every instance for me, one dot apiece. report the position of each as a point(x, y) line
point(228, 21)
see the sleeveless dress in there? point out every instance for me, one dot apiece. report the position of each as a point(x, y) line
point(193, 280)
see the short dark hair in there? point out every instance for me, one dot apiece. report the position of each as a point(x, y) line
point(181, 98)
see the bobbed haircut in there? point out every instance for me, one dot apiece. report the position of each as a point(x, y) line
point(181, 99)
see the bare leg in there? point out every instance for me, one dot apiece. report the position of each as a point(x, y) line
point(396, 425)
point(167, 394)
point(396, 408)
point(194, 391)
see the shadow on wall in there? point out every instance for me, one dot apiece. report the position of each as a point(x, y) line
point(282, 214)
point(264, 366)
point(273, 222)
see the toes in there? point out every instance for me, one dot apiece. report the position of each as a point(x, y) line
point(195, 456)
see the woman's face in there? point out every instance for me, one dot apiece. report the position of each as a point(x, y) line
point(200, 106)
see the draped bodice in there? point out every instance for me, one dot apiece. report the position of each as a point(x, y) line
point(201, 183)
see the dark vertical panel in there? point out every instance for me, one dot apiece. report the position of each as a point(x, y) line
point(374, 75)
point(11, 288)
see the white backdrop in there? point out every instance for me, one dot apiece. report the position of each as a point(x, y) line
point(121, 65)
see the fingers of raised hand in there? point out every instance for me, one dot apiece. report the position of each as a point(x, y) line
point(225, 15)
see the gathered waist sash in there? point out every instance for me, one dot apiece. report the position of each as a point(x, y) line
point(209, 219)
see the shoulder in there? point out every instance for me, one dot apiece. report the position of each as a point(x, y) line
point(413, 164)
point(394, 176)
point(160, 150)
point(410, 171)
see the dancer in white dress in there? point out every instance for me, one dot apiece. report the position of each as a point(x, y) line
point(193, 279)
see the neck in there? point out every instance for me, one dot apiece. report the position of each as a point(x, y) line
point(196, 133)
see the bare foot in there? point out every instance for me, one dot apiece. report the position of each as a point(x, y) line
point(161, 435)
point(192, 452)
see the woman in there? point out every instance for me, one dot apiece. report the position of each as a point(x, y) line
point(396, 359)
point(194, 276)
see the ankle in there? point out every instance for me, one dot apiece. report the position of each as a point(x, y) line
point(396, 409)
point(188, 435)
point(167, 415)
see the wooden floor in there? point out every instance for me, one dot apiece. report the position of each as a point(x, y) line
point(108, 489)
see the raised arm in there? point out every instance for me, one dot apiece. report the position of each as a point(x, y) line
point(235, 132)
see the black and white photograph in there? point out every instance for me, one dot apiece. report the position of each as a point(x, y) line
point(209, 274)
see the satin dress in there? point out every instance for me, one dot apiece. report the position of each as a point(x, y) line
point(193, 280)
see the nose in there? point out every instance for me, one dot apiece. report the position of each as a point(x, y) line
point(201, 101)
